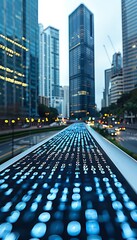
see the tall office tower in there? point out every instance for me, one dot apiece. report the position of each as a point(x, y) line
point(129, 34)
point(18, 58)
point(49, 64)
point(81, 63)
point(116, 64)
point(42, 89)
point(116, 82)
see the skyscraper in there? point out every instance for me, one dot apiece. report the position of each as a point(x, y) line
point(129, 34)
point(18, 58)
point(49, 64)
point(107, 73)
point(116, 81)
point(81, 63)
point(42, 83)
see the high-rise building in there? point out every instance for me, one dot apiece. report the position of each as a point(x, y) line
point(81, 62)
point(42, 83)
point(129, 34)
point(113, 81)
point(49, 64)
point(116, 67)
point(18, 58)
point(107, 84)
point(116, 82)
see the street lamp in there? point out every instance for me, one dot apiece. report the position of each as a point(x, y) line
point(12, 124)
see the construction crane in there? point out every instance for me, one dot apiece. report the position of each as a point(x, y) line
point(111, 43)
point(107, 54)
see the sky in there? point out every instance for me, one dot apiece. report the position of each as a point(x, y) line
point(107, 31)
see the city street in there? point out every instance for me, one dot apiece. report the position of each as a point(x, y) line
point(128, 139)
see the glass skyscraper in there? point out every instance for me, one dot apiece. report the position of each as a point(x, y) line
point(81, 63)
point(49, 64)
point(129, 33)
point(18, 58)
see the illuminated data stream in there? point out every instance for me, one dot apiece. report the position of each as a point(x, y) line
point(67, 188)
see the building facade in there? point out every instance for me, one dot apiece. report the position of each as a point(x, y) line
point(49, 65)
point(42, 83)
point(81, 63)
point(107, 86)
point(18, 58)
point(116, 89)
point(65, 101)
point(129, 34)
point(116, 83)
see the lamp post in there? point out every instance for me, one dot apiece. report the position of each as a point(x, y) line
point(12, 145)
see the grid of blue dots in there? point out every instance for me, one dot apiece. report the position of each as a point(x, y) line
point(67, 188)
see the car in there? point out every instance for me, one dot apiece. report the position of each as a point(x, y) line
point(112, 132)
point(26, 125)
point(54, 124)
point(122, 128)
point(39, 126)
point(117, 129)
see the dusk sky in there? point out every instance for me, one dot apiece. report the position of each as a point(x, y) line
point(107, 22)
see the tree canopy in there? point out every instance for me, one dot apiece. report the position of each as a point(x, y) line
point(47, 112)
point(127, 103)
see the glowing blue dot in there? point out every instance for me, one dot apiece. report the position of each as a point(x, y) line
point(74, 228)
point(20, 206)
point(44, 217)
point(76, 196)
point(88, 189)
point(11, 236)
point(38, 230)
point(5, 228)
point(130, 205)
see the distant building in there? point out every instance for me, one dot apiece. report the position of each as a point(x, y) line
point(103, 100)
point(116, 83)
point(18, 58)
point(116, 67)
point(129, 34)
point(42, 66)
point(66, 102)
point(113, 81)
point(81, 63)
point(43, 100)
point(116, 89)
point(49, 65)
point(107, 85)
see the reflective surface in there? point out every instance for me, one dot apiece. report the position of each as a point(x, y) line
point(67, 188)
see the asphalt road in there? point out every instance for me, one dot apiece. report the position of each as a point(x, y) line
point(128, 139)
point(16, 146)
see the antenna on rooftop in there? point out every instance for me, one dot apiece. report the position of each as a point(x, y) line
point(111, 43)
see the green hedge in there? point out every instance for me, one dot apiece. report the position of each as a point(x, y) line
point(114, 141)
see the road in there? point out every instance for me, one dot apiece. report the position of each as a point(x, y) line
point(128, 139)
point(18, 145)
